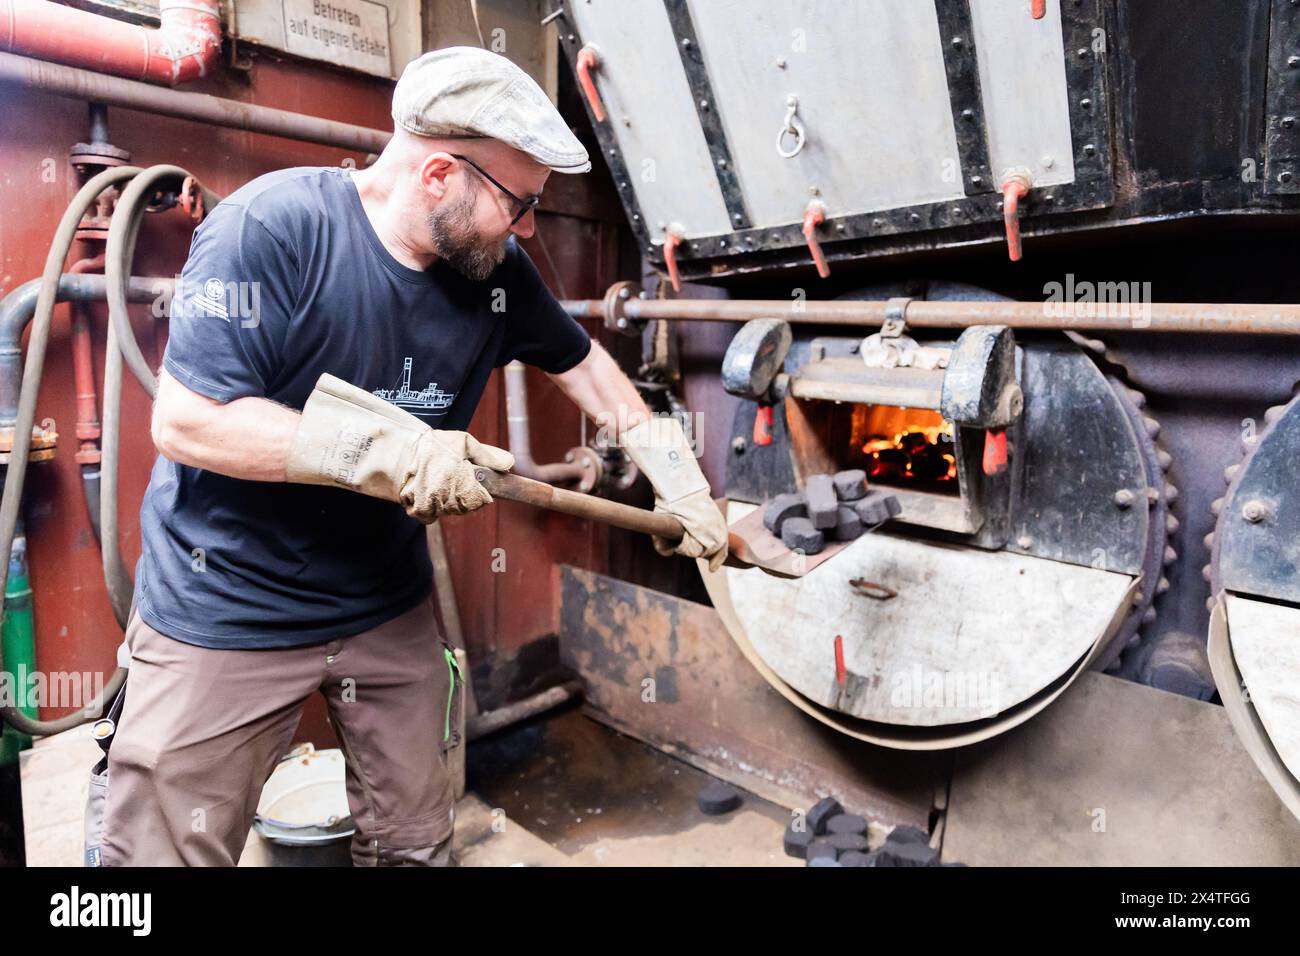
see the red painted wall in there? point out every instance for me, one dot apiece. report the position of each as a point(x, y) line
point(75, 628)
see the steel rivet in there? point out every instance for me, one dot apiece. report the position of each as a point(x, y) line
point(1254, 511)
point(1288, 121)
point(1086, 102)
point(738, 445)
point(968, 114)
point(1024, 541)
point(704, 104)
point(956, 43)
point(1284, 177)
point(1089, 149)
point(1124, 498)
point(1293, 61)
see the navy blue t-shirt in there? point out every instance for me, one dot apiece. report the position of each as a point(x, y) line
point(287, 279)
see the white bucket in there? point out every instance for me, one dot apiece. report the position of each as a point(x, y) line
point(303, 812)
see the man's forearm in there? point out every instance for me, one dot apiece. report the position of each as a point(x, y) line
point(248, 438)
point(604, 394)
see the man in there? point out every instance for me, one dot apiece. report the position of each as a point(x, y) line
point(284, 552)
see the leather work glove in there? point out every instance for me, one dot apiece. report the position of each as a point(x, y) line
point(350, 438)
point(660, 449)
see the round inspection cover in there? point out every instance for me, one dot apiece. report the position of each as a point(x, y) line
point(975, 641)
point(1255, 552)
point(972, 635)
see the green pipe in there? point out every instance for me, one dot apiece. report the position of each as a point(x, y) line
point(17, 646)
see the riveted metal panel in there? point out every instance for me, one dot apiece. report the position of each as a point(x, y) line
point(899, 133)
point(1282, 118)
point(872, 97)
point(665, 168)
point(1023, 85)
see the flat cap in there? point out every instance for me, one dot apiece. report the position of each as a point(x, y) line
point(466, 91)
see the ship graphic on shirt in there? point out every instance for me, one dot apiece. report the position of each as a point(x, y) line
point(431, 398)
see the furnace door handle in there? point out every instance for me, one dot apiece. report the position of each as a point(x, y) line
point(1014, 188)
point(763, 424)
point(588, 60)
point(813, 217)
point(672, 239)
point(995, 451)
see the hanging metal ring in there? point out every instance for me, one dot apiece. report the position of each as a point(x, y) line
point(792, 127)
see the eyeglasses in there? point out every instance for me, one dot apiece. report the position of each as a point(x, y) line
point(524, 204)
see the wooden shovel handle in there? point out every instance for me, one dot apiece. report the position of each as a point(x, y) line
point(541, 495)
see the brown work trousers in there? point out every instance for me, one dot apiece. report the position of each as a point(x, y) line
point(203, 728)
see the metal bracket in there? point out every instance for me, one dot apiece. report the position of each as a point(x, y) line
point(613, 310)
point(895, 317)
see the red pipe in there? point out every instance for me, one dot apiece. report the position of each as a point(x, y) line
point(184, 48)
point(1038, 9)
point(83, 365)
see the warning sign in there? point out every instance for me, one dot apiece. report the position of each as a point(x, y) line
point(351, 33)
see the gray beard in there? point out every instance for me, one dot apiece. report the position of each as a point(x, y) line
point(455, 241)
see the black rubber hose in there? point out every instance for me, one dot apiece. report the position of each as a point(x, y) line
point(122, 235)
point(11, 501)
point(16, 310)
point(19, 305)
point(123, 232)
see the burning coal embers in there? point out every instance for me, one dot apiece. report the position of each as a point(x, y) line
point(839, 507)
point(905, 446)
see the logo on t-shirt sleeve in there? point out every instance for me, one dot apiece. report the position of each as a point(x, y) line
point(217, 299)
point(212, 299)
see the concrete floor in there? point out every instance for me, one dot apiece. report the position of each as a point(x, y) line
point(1166, 774)
point(604, 799)
point(562, 790)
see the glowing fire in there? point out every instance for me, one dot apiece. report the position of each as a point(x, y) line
point(904, 444)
